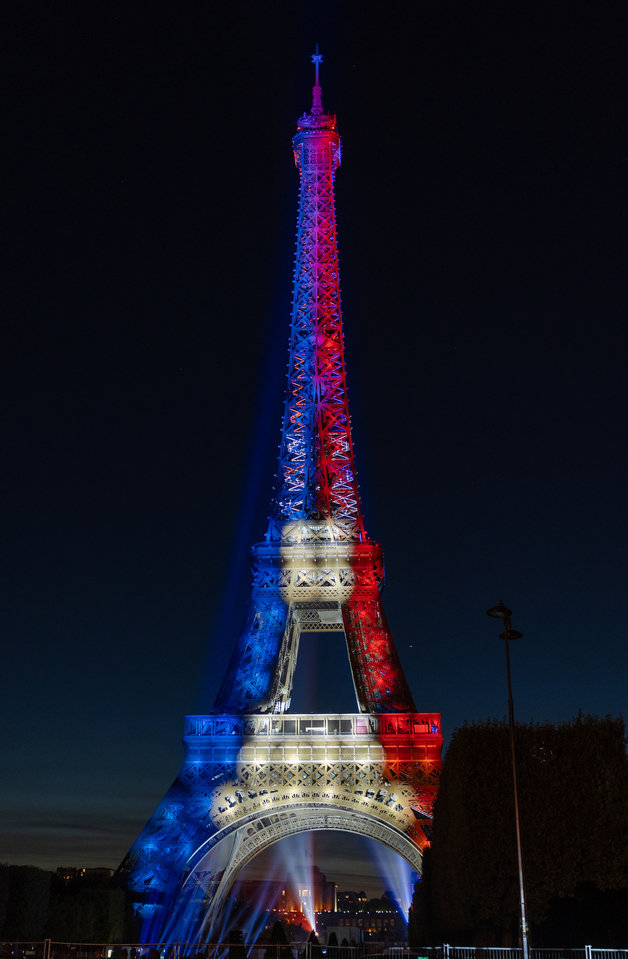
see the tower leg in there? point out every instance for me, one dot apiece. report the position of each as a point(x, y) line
point(249, 679)
point(379, 679)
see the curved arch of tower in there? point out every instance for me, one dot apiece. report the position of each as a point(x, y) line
point(235, 849)
point(253, 772)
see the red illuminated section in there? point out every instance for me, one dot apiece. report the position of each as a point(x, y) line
point(412, 749)
point(379, 679)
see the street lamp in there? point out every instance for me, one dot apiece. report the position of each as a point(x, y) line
point(501, 612)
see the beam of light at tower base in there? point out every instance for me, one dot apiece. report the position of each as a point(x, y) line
point(294, 862)
point(397, 875)
point(250, 916)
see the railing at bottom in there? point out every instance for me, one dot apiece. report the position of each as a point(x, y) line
point(49, 949)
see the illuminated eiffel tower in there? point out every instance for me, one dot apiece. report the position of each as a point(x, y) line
point(253, 771)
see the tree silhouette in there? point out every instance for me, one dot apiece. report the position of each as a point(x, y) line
point(573, 793)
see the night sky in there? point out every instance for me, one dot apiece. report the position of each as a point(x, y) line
point(150, 210)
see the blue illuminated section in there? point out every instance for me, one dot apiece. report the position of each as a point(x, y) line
point(156, 867)
point(157, 860)
point(246, 687)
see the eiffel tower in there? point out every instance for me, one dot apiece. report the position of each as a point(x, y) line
point(254, 772)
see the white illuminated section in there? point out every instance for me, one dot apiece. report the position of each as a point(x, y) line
point(316, 562)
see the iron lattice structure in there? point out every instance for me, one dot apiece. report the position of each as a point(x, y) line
point(253, 772)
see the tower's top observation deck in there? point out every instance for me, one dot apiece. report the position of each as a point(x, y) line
point(317, 129)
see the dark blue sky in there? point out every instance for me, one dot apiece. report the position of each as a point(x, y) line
point(151, 209)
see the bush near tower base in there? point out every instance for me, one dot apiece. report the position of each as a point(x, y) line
point(573, 798)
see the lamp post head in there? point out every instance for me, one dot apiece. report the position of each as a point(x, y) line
point(511, 634)
point(500, 611)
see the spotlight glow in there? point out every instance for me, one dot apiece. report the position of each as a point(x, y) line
point(250, 916)
point(292, 863)
point(398, 876)
point(294, 860)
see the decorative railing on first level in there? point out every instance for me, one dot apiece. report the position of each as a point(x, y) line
point(307, 725)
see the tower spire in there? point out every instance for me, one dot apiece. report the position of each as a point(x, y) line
point(317, 102)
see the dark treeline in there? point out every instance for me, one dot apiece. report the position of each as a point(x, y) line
point(36, 904)
point(573, 794)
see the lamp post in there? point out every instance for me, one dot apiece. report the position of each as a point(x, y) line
point(501, 612)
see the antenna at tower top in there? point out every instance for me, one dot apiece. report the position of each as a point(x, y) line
point(317, 59)
point(317, 105)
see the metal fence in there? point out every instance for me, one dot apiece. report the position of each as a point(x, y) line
point(49, 949)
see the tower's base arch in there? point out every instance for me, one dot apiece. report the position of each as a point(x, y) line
point(249, 781)
point(214, 870)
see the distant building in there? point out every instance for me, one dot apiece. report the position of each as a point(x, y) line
point(359, 919)
point(96, 875)
point(351, 915)
point(348, 898)
point(313, 892)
